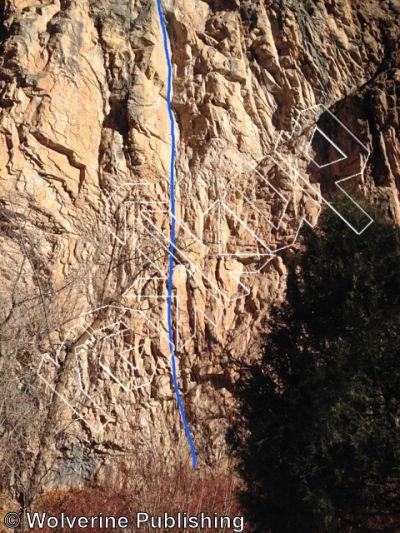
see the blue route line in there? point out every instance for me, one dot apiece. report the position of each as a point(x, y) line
point(171, 266)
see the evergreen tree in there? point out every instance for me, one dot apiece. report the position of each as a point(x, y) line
point(317, 436)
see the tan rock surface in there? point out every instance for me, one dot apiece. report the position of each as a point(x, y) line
point(84, 110)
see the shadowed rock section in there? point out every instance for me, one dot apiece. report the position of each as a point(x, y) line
point(83, 110)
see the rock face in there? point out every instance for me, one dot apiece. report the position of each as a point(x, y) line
point(85, 152)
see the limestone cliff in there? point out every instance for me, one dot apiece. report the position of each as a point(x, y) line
point(84, 110)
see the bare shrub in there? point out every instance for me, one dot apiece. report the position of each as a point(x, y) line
point(153, 487)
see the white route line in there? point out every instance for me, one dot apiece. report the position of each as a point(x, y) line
point(303, 219)
point(344, 156)
point(57, 364)
point(134, 367)
point(297, 173)
point(195, 273)
point(149, 228)
point(91, 333)
point(142, 184)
